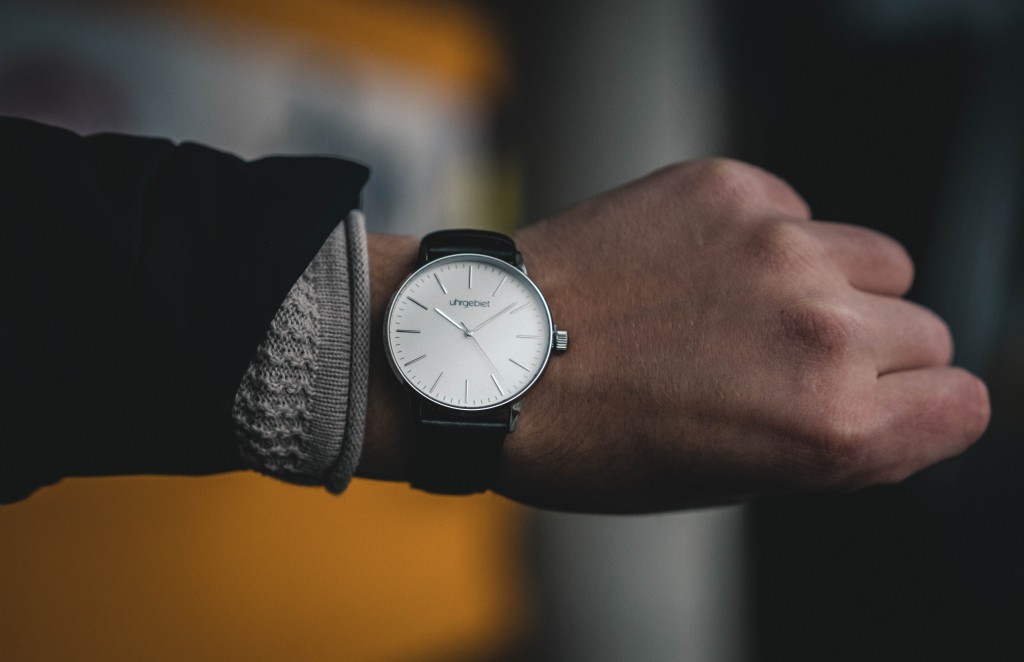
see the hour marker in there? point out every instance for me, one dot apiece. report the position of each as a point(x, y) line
point(495, 380)
point(471, 276)
point(467, 390)
point(443, 288)
point(520, 335)
point(416, 331)
point(520, 365)
point(417, 303)
point(434, 385)
point(414, 360)
point(499, 285)
point(520, 308)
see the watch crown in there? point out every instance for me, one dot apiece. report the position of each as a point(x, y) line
point(561, 340)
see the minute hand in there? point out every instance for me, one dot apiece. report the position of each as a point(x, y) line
point(490, 319)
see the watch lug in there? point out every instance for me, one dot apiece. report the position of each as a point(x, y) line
point(513, 416)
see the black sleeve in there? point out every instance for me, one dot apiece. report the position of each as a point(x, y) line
point(138, 278)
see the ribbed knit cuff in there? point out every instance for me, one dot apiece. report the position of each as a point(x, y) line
point(344, 468)
point(300, 409)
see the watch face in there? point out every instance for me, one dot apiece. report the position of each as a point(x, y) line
point(468, 332)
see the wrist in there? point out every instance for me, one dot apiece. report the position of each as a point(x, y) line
point(387, 444)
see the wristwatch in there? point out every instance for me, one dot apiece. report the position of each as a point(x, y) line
point(468, 334)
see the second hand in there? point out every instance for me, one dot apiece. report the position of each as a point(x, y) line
point(482, 351)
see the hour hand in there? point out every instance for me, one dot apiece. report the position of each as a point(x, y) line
point(454, 323)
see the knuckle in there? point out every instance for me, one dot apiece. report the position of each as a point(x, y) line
point(721, 169)
point(744, 187)
point(731, 183)
point(942, 340)
point(977, 406)
point(838, 446)
point(893, 260)
point(900, 259)
point(934, 336)
point(735, 187)
point(821, 329)
point(782, 245)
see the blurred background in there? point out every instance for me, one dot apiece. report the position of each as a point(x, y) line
point(902, 115)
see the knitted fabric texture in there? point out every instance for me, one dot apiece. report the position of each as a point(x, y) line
point(300, 409)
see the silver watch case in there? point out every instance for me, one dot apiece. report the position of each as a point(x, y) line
point(512, 404)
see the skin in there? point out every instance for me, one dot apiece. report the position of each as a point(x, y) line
point(723, 346)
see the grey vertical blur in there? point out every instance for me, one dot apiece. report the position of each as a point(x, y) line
point(977, 235)
point(612, 95)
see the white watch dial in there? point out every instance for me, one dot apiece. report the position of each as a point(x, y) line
point(469, 332)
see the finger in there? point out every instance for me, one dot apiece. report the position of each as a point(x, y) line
point(870, 260)
point(904, 335)
point(925, 416)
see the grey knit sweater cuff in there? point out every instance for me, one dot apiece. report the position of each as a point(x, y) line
point(300, 409)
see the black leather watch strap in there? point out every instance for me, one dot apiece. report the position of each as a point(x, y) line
point(457, 456)
point(452, 242)
point(460, 454)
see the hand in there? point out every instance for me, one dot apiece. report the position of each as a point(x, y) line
point(724, 346)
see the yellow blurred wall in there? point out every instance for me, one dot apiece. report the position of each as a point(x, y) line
point(243, 567)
